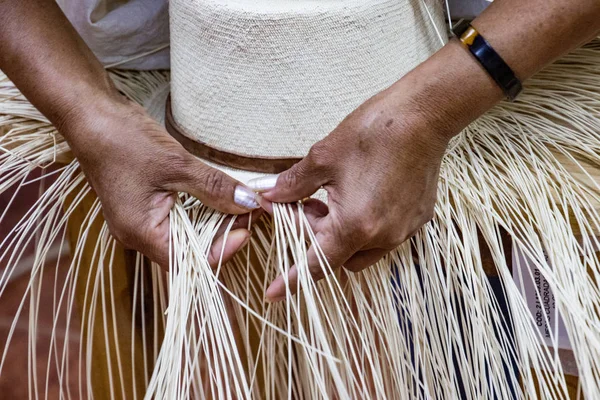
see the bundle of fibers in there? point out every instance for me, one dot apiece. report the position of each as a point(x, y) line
point(427, 321)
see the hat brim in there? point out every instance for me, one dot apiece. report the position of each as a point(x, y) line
point(156, 106)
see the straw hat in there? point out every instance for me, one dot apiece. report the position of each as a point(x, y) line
point(255, 84)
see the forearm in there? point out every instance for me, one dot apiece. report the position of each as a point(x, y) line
point(452, 89)
point(43, 55)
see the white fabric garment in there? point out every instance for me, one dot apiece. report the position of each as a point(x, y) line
point(467, 8)
point(121, 30)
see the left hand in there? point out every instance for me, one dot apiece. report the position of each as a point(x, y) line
point(380, 167)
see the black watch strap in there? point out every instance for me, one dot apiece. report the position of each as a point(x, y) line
point(491, 61)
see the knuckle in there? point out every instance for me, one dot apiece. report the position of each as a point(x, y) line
point(429, 214)
point(316, 272)
point(290, 179)
point(123, 228)
point(152, 243)
point(176, 165)
point(319, 156)
point(153, 237)
point(214, 182)
point(350, 234)
point(366, 228)
point(393, 241)
point(122, 233)
point(177, 160)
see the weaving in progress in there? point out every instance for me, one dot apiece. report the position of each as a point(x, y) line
point(496, 297)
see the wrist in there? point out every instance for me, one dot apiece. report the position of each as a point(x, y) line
point(85, 122)
point(447, 92)
point(67, 101)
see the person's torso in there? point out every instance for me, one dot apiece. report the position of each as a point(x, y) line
point(131, 33)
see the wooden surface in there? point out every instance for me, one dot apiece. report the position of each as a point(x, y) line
point(105, 343)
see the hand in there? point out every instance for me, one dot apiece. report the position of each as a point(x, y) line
point(380, 168)
point(136, 168)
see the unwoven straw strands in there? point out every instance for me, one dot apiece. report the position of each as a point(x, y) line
point(425, 322)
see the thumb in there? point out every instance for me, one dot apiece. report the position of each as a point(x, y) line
point(226, 246)
point(297, 183)
point(215, 188)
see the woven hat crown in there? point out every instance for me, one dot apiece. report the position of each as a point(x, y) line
point(270, 78)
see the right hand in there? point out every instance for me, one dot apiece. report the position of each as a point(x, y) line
point(136, 168)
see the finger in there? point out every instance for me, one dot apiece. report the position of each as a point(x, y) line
point(314, 210)
point(215, 188)
point(332, 249)
point(242, 221)
point(305, 218)
point(265, 204)
point(316, 206)
point(364, 259)
point(147, 233)
point(154, 244)
point(224, 248)
point(221, 250)
point(298, 182)
point(329, 253)
point(279, 287)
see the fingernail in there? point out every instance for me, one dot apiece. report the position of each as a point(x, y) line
point(264, 203)
point(245, 197)
point(263, 183)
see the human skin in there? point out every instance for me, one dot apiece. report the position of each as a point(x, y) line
point(134, 166)
point(381, 165)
